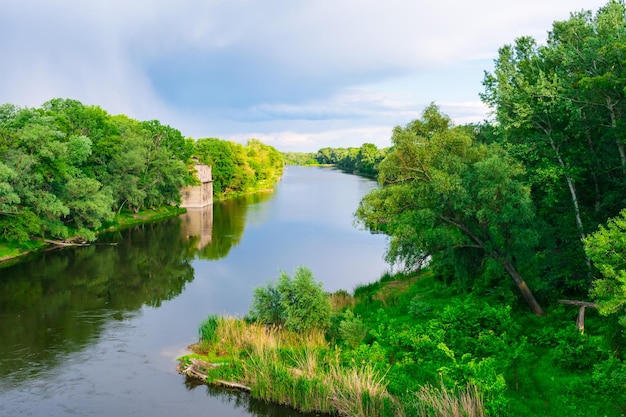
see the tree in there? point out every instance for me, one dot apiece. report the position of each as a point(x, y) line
point(607, 249)
point(299, 302)
point(560, 110)
point(445, 197)
point(220, 157)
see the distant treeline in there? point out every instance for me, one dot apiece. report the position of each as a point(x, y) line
point(363, 160)
point(67, 168)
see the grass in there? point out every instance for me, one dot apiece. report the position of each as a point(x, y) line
point(546, 369)
point(290, 368)
point(304, 372)
point(432, 401)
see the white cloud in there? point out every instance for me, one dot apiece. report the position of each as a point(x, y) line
point(318, 72)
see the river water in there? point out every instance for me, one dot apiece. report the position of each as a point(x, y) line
point(96, 331)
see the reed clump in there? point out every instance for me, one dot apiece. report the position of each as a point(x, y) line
point(431, 401)
point(295, 369)
point(302, 371)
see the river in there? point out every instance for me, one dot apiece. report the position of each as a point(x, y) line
point(96, 331)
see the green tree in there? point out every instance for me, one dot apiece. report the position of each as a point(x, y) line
point(607, 249)
point(445, 197)
point(299, 302)
point(220, 157)
point(559, 109)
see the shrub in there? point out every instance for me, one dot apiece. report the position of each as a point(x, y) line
point(352, 329)
point(299, 303)
point(419, 308)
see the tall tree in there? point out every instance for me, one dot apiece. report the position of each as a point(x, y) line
point(560, 109)
point(444, 196)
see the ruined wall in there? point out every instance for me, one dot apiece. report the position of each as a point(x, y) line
point(199, 195)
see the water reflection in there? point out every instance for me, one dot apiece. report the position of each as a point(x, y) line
point(58, 303)
point(227, 231)
point(83, 331)
point(242, 401)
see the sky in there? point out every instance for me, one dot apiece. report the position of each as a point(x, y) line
point(299, 75)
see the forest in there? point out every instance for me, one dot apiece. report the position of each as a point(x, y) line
point(362, 161)
point(508, 241)
point(68, 169)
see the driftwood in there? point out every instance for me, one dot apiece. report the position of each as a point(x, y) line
point(65, 243)
point(196, 368)
point(580, 319)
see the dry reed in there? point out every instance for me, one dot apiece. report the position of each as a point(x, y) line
point(443, 402)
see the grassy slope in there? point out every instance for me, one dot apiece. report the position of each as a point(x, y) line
point(553, 378)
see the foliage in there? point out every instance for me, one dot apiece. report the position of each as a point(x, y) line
point(560, 110)
point(208, 328)
point(447, 198)
point(352, 330)
point(299, 302)
point(238, 169)
point(363, 160)
point(300, 158)
point(607, 249)
point(68, 168)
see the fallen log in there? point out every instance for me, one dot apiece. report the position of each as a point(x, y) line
point(64, 243)
point(196, 368)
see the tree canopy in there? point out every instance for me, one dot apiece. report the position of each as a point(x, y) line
point(445, 198)
point(66, 168)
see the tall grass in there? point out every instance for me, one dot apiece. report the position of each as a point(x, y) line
point(300, 370)
point(340, 300)
point(361, 392)
point(432, 401)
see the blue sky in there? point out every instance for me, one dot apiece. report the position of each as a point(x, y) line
point(298, 75)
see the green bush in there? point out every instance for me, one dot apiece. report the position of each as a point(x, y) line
point(419, 308)
point(577, 351)
point(352, 329)
point(299, 303)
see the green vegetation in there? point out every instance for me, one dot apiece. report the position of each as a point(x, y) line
point(299, 303)
point(68, 171)
point(239, 169)
point(504, 233)
point(411, 345)
point(362, 161)
point(300, 158)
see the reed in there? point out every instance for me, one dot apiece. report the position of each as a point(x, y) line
point(361, 392)
point(432, 401)
point(340, 300)
point(296, 379)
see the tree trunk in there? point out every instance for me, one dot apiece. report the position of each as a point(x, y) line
point(620, 146)
point(523, 288)
point(572, 190)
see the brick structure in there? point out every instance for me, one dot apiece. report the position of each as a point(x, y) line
point(199, 195)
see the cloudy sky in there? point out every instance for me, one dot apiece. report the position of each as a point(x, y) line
point(297, 74)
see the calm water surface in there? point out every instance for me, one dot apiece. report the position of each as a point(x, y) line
point(95, 331)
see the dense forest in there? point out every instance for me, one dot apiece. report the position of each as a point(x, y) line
point(363, 160)
point(509, 239)
point(66, 169)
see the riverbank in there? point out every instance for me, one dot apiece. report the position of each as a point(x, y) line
point(410, 345)
point(10, 254)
